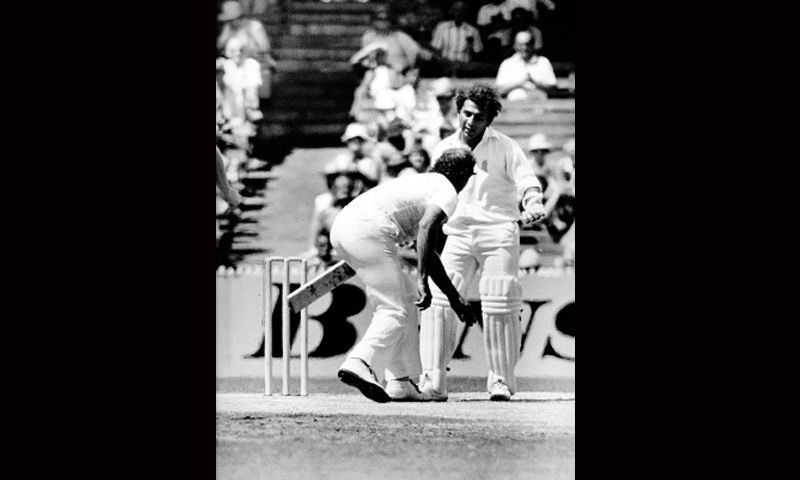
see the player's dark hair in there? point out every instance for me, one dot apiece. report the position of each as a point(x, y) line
point(457, 164)
point(482, 95)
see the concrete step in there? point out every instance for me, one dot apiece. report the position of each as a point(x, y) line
point(320, 41)
point(314, 54)
point(333, 18)
point(326, 29)
point(310, 90)
point(313, 67)
point(310, 116)
point(333, 7)
point(535, 118)
point(525, 130)
point(303, 78)
point(279, 102)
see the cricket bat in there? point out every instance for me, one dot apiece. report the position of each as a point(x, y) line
point(320, 285)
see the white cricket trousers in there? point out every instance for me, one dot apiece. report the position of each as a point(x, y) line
point(366, 240)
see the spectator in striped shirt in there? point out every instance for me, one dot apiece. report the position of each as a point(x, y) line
point(455, 40)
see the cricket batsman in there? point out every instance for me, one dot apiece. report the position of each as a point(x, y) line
point(366, 234)
point(483, 244)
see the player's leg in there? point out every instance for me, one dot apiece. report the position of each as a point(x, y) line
point(438, 323)
point(501, 300)
point(367, 247)
point(404, 367)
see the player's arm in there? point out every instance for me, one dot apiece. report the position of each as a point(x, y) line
point(430, 266)
point(529, 189)
point(229, 194)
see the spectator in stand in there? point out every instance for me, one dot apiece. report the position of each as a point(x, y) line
point(532, 6)
point(254, 39)
point(492, 22)
point(341, 192)
point(402, 50)
point(241, 78)
point(419, 159)
point(567, 165)
point(445, 93)
point(526, 74)
point(456, 41)
point(377, 77)
point(418, 18)
point(521, 20)
point(323, 256)
point(388, 152)
point(356, 159)
point(546, 170)
point(499, 21)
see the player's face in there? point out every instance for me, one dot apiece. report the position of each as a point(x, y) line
point(473, 121)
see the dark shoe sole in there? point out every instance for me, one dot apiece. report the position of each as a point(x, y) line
point(368, 389)
point(499, 398)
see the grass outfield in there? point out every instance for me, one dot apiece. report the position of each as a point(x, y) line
point(337, 433)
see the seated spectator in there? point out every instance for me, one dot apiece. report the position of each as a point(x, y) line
point(388, 152)
point(401, 50)
point(342, 191)
point(356, 159)
point(322, 256)
point(492, 22)
point(407, 96)
point(499, 21)
point(418, 18)
point(526, 74)
point(456, 41)
point(521, 20)
point(532, 6)
point(545, 170)
point(567, 165)
point(419, 159)
point(254, 39)
point(241, 77)
point(377, 77)
point(445, 93)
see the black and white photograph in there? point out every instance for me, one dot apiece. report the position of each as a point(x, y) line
point(395, 239)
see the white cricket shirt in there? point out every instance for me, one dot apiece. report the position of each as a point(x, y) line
point(502, 175)
point(404, 200)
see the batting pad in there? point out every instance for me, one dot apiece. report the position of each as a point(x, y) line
point(502, 335)
point(438, 337)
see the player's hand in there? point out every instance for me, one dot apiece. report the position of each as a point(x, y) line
point(533, 214)
point(463, 310)
point(424, 292)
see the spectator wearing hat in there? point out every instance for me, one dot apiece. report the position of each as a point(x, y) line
point(525, 74)
point(356, 160)
point(456, 41)
point(539, 148)
point(254, 40)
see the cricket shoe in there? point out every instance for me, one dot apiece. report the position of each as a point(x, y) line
point(432, 394)
point(357, 373)
point(499, 392)
point(404, 390)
